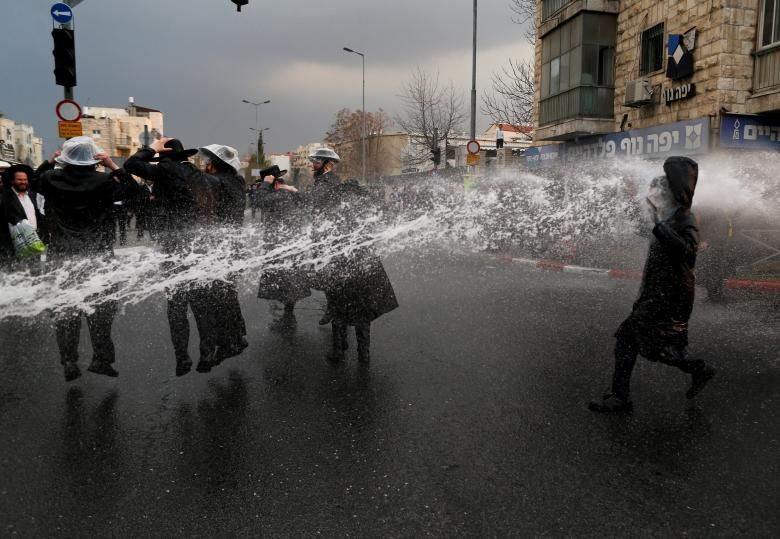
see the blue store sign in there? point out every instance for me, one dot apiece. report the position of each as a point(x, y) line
point(691, 137)
point(749, 132)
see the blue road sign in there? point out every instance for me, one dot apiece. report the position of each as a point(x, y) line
point(61, 13)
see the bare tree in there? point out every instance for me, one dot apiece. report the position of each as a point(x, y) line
point(511, 98)
point(525, 15)
point(430, 113)
point(346, 137)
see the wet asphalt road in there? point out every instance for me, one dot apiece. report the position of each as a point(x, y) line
point(470, 421)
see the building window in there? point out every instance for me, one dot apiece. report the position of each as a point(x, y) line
point(96, 131)
point(578, 68)
point(550, 7)
point(652, 50)
point(770, 22)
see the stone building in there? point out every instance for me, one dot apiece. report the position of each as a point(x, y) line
point(121, 132)
point(654, 77)
point(19, 143)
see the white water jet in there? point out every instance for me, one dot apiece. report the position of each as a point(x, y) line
point(542, 214)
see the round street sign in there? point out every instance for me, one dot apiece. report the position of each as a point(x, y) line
point(472, 147)
point(61, 13)
point(68, 110)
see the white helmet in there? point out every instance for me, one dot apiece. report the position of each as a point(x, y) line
point(79, 151)
point(226, 154)
point(324, 154)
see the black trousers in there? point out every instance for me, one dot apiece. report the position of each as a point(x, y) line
point(228, 321)
point(362, 334)
point(499, 143)
point(626, 352)
point(68, 330)
point(196, 297)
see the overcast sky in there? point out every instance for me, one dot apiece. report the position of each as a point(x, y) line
point(197, 59)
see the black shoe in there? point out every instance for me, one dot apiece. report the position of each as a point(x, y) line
point(699, 379)
point(103, 367)
point(326, 319)
point(204, 365)
point(71, 370)
point(183, 367)
point(611, 403)
point(364, 357)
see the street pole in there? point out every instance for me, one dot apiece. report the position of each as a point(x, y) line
point(363, 127)
point(257, 125)
point(473, 131)
point(365, 134)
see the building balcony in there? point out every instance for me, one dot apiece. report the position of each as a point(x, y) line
point(585, 110)
point(766, 81)
point(766, 70)
point(124, 142)
point(556, 12)
point(580, 102)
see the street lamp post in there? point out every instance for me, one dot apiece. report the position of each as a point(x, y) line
point(257, 126)
point(473, 126)
point(363, 141)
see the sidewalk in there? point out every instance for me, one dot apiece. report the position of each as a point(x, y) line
point(732, 283)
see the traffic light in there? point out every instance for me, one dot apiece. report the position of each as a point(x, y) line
point(239, 3)
point(436, 156)
point(64, 57)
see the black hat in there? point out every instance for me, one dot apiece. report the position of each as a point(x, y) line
point(177, 153)
point(272, 171)
point(8, 174)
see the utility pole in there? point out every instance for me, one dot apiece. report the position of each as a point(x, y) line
point(363, 127)
point(473, 131)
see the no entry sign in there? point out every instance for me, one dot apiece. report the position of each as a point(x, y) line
point(68, 110)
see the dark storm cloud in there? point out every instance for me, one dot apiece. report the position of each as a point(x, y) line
point(196, 60)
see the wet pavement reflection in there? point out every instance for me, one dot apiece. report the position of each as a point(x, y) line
point(470, 420)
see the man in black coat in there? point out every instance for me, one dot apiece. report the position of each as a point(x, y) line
point(356, 286)
point(187, 202)
point(79, 204)
point(657, 327)
point(222, 166)
point(282, 220)
point(17, 202)
point(322, 200)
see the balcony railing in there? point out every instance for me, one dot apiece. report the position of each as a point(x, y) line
point(550, 7)
point(580, 102)
point(766, 70)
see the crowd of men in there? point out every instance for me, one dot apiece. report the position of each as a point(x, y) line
point(72, 207)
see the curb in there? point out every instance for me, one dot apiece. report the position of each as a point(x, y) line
point(732, 283)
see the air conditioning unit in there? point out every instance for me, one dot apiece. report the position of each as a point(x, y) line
point(638, 93)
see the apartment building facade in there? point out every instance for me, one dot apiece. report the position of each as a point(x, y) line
point(120, 132)
point(655, 77)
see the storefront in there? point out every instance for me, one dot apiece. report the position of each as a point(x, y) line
point(690, 137)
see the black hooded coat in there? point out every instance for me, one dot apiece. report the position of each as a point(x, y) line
point(185, 196)
point(79, 207)
point(355, 282)
point(282, 218)
point(660, 315)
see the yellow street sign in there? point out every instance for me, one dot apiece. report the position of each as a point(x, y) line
point(70, 129)
point(472, 159)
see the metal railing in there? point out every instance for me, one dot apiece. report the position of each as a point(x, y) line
point(580, 102)
point(550, 7)
point(766, 69)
